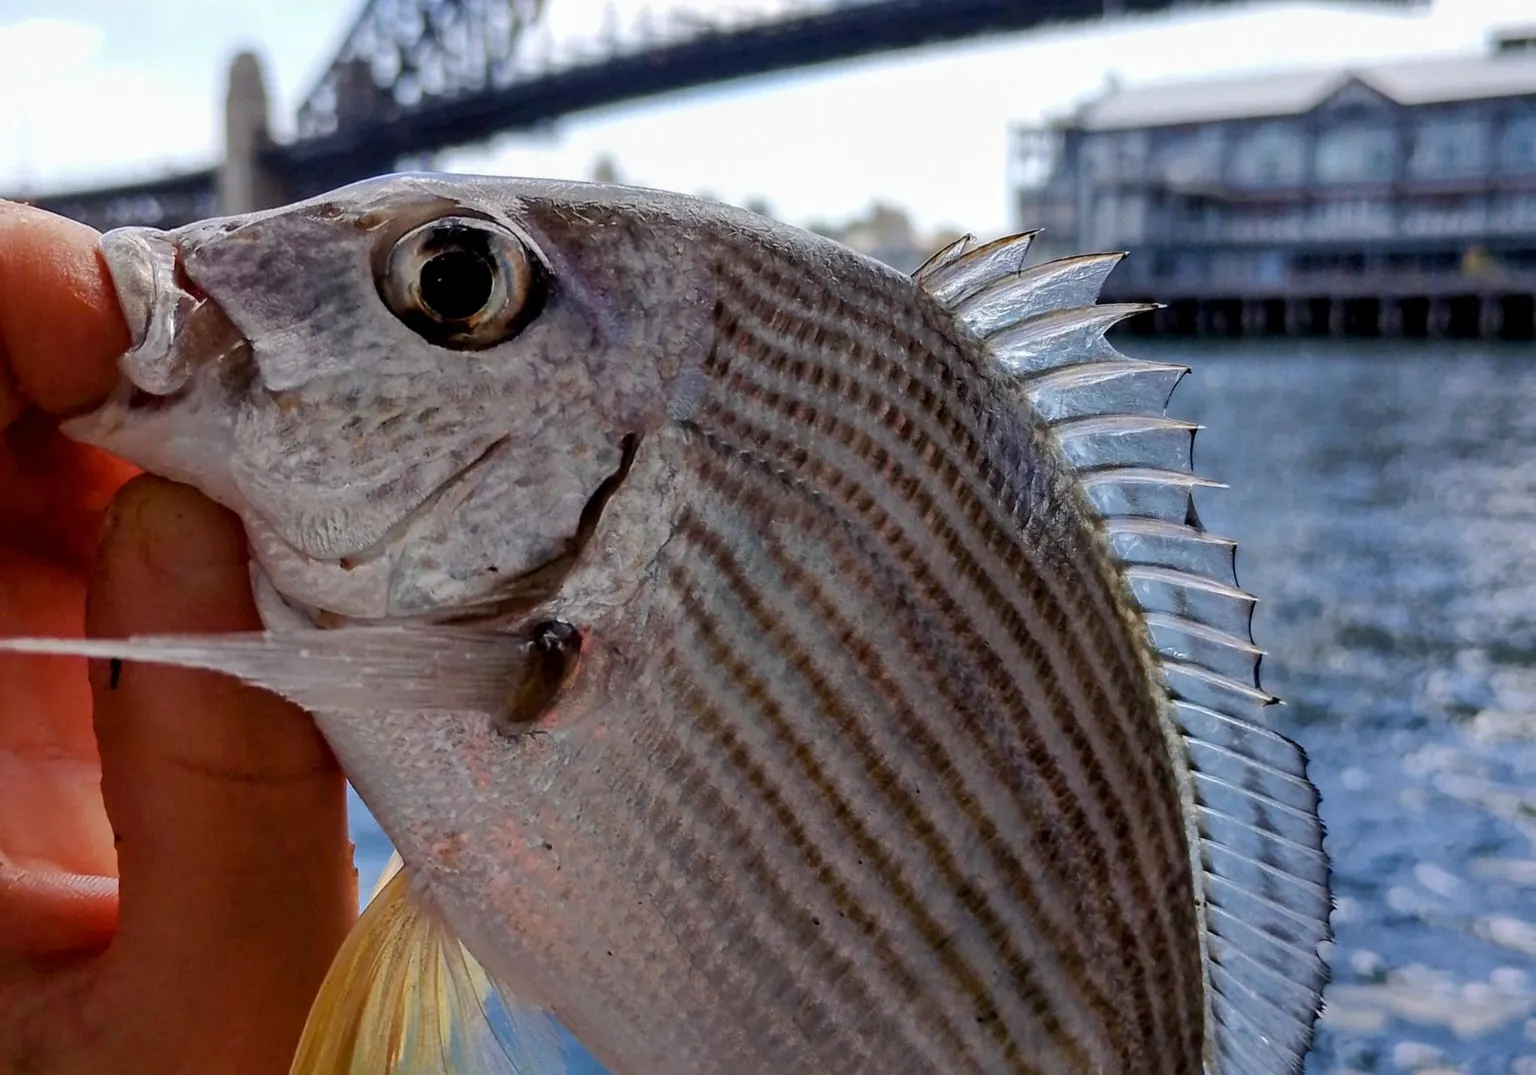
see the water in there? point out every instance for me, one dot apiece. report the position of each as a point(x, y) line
point(1384, 498)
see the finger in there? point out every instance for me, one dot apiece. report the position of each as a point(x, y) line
point(61, 328)
point(53, 493)
point(58, 892)
point(237, 884)
point(61, 331)
point(12, 403)
point(51, 816)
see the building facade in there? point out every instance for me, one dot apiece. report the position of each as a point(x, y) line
point(1392, 199)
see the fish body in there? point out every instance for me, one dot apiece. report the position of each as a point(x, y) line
point(869, 697)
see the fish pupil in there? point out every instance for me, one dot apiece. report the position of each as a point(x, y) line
point(456, 284)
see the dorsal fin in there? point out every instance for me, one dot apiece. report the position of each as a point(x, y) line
point(1262, 878)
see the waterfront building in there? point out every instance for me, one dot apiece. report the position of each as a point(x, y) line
point(1384, 199)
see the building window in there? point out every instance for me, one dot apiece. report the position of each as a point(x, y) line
point(1191, 156)
point(1133, 151)
point(1518, 153)
point(1272, 154)
point(1098, 155)
point(1449, 146)
point(1270, 267)
point(1356, 153)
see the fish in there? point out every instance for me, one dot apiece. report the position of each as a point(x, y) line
point(761, 659)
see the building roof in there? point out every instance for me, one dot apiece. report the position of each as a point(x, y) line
point(1414, 82)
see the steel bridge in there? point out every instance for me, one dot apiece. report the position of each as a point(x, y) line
point(418, 76)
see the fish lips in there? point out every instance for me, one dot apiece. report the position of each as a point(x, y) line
point(175, 327)
point(169, 412)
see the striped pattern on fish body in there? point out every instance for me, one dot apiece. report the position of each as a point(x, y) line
point(899, 637)
point(916, 726)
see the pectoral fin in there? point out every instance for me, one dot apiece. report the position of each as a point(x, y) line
point(348, 669)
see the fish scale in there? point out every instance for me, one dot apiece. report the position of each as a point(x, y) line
point(912, 720)
point(906, 829)
point(785, 449)
point(759, 360)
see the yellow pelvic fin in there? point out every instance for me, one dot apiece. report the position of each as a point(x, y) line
point(405, 997)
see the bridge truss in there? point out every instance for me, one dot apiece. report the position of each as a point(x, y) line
point(413, 77)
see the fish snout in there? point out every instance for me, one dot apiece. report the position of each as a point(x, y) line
point(175, 328)
point(174, 407)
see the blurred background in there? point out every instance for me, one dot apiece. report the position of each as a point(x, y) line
point(1336, 201)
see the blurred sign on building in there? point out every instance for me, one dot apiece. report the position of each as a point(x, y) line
point(1390, 199)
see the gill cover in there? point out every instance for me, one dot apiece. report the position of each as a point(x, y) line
point(1256, 840)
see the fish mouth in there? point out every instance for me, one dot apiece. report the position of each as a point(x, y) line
point(167, 413)
point(176, 331)
point(175, 327)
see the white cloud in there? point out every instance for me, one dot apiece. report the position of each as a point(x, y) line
point(73, 119)
point(50, 48)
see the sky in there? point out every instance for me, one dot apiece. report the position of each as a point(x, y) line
point(104, 90)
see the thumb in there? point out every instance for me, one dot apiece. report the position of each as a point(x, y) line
point(229, 811)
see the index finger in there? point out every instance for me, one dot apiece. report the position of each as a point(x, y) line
point(61, 328)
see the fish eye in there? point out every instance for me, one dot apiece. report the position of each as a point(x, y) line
point(463, 283)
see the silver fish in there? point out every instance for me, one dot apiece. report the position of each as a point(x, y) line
point(762, 660)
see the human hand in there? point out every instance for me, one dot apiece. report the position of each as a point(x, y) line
point(226, 809)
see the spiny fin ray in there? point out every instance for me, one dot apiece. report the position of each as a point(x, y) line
point(944, 257)
point(1118, 492)
point(1183, 548)
point(1053, 285)
point(960, 277)
point(1127, 440)
point(1264, 875)
point(1062, 337)
point(1111, 387)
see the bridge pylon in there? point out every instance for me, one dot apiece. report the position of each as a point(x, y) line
point(245, 182)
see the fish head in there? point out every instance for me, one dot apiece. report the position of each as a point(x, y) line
point(417, 391)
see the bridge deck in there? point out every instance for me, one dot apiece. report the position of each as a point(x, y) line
point(842, 30)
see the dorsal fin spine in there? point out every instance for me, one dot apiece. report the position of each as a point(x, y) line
point(1044, 327)
point(944, 257)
